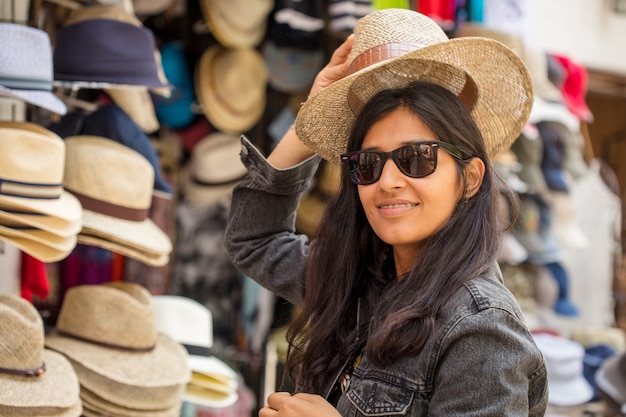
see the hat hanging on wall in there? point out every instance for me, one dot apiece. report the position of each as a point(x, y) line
point(291, 69)
point(213, 169)
point(237, 23)
point(213, 383)
point(231, 87)
point(34, 381)
point(106, 47)
point(574, 87)
point(123, 363)
point(114, 184)
point(499, 94)
point(26, 69)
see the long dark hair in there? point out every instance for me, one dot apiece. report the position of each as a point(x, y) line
point(350, 269)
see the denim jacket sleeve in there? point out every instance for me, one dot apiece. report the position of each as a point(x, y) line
point(260, 233)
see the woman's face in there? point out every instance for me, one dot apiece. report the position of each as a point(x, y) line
point(404, 211)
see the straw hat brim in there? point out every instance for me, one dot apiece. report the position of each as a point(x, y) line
point(163, 366)
point(73, 411)
point(144, 257)
point(98, 404)
point(38, 250)
point(231, 28)
point(137, 103)
point(12, 216)
point(43, 99)
point(66, 207)
point(503, 100)
point(209, 398)
point(40, 236)
point(144, 236)
point(58, 387)
point(215, 368)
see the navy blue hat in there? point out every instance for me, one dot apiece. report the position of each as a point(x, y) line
point(111, 122)
point(553, 162)
point(298, 24)
point(106, 51)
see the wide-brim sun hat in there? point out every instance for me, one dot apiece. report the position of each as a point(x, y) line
point(34, 381)
point(230, 86)
point(107, 332)
point(393, 47)
point(98, 407)
point(122, 249)
point(31, 168)
point(114, 184)
point(26, 66)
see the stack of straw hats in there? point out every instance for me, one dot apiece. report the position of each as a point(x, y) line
point(36, 214)
point(34, 381)
point(114, 184)
point(213, 384)
point(125, 367)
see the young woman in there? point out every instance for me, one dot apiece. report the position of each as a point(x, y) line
point(402, 307)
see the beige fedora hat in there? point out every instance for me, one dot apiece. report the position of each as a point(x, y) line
point(137, 103)
point(99, 407)
point(237, 23)
point(108, 333)
point(34, 381)
point(213, 169)
point(231, 87)
point(393, 47)
point(32, 165)
point(114, 185)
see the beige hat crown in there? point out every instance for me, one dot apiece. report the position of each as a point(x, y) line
point(21, 337)
point(394, 47)
point(117, 314)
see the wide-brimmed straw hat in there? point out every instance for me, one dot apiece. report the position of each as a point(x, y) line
point(14, 216)
point(26, 66)
point(231, 87)
point(393, 47)
point(32, 165)
point(213, 169)
point(237, 23)
point(114, 185)
point(108, 333)
point(34, 381)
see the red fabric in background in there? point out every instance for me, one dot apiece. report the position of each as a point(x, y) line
point(34, 278)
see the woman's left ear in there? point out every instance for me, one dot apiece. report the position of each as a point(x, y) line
point(474, 173)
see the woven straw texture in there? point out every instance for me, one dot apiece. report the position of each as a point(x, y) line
point(237, 23)
point(74, 411)
point(231, 87)
point(113, 173)
point(120, 314)
point(94, 402)
point(22, 348)
point(504, 86)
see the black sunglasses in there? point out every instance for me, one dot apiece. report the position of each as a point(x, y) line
point(414, 160)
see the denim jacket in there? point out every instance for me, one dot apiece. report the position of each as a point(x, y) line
point(481, 360)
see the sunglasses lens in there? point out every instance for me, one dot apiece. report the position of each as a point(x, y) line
point(364, 167)
point(417, 160)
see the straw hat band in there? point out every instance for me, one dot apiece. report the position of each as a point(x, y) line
point(30, 190)
point(111, 209)
point(25, 372)
point(105, 344)
point(26, 83)
point(380, 53)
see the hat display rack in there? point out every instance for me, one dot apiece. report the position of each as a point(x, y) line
point(89, 211)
